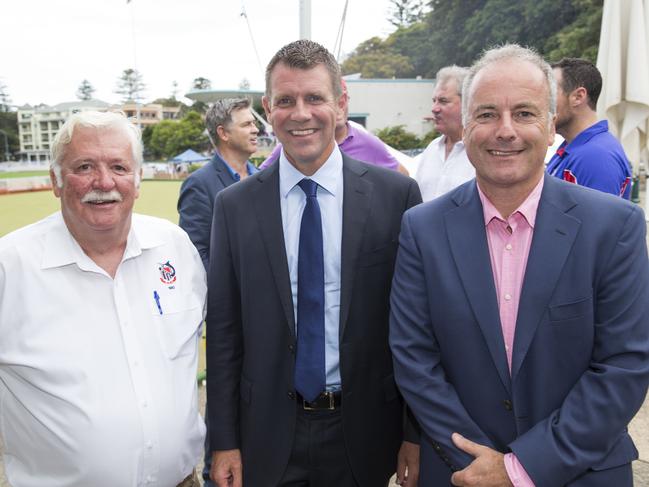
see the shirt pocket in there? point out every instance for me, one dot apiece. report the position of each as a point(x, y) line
point(178, 320)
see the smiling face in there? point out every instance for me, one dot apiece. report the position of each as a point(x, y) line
point(98, 184)
point(303, 110)
point(508, 130)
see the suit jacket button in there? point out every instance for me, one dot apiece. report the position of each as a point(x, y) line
point(291, 395)
point(508, 404)
point(291, 348)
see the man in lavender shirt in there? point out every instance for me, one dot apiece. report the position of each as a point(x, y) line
point(520, 305)
point(354, 141)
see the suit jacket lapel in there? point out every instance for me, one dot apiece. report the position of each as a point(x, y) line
point(468, 243)
point(269, 218)
point(554, 235)
point(356, 208)
point(221, 171)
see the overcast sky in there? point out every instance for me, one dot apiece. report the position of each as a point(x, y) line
point(49, 47)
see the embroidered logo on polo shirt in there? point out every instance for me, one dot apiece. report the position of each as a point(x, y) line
point(167, 273)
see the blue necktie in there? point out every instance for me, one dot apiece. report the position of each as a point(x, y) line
point(310, 361)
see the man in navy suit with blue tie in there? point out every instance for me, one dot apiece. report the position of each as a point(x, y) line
point(233, 132)
point(520, 305)
point(300, 379)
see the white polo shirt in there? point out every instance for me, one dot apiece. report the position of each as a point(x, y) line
point(98, 382)
point(438, 174)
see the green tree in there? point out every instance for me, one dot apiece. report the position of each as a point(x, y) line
point(374, 59)
point(9, 125)
point(581, 37)
point(85, 90)
point(457, 31)
point(405, 12)
point(5, 100)
point(171, 137)
point(201, 83)
point(130, 85)
point(398, 137)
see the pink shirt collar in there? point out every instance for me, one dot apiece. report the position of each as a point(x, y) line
point(527, 208)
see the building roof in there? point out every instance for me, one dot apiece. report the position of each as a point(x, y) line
point(207, 96)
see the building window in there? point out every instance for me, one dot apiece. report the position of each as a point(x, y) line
point(43, 125)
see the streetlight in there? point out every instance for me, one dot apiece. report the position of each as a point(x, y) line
point(7, 154)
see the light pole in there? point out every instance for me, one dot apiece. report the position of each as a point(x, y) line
point(7, 154)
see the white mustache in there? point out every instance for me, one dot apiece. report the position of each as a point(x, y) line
point(97, 196)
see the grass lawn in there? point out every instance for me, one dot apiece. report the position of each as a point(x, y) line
point(157, 198)
point(22, 174)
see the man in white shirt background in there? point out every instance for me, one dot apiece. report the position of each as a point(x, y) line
point(444, 165)
point(100, 316)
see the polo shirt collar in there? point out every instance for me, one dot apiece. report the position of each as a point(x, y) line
point(585, 135)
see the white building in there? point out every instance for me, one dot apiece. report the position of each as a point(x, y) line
point(37, 125)
point(380, 103)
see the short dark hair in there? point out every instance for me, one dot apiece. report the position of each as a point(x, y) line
point(577, 73)
point(221, 114)
point(306, 54)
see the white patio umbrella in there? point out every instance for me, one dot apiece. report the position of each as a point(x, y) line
point(623, 60)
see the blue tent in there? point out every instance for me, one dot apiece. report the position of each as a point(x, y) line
point(190, 156)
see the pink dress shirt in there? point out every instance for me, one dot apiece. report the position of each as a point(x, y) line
point(509, 247)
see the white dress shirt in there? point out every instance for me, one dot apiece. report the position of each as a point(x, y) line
point(98, 382)
point(330, 199)
point(438, 174)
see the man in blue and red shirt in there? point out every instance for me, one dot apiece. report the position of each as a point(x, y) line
point(590, 156)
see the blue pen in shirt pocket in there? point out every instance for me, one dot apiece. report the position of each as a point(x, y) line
point(156, 297)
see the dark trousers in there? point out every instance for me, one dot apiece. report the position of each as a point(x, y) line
point(319, 457)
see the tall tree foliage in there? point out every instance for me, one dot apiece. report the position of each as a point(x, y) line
point(457, 31)
point(201, 83)
point(85, 90)
point(5, 99)
point(406, 12)
point(130, 85)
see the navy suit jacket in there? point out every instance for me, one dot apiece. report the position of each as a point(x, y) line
point(580, 362)
point(196, 202)
point(251, 337)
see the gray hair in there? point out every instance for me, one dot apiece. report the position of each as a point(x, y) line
point(99, 121)
point(452, 73)
point(306, 54)
point(220, 114)
point(505, 53)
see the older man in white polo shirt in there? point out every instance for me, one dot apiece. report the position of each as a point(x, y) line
point(100, 315)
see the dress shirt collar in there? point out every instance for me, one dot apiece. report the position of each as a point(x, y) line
point(62, 249)
point(441, 143)
point(250, 167)
point(326, 177)
point(527, 208)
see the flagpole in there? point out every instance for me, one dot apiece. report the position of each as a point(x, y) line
point(137, 95)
